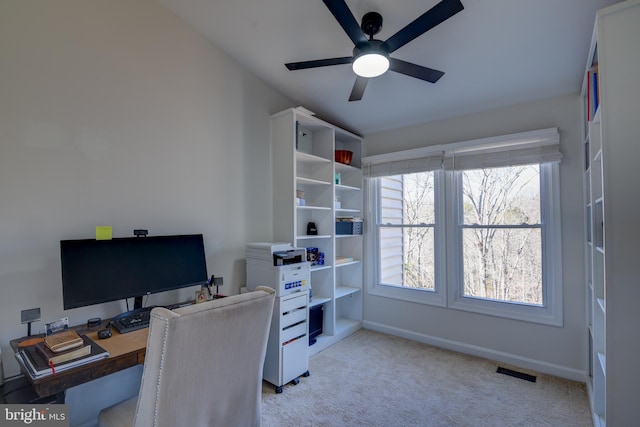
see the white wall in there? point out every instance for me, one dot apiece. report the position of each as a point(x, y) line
point(561, 351)
point(116, 113)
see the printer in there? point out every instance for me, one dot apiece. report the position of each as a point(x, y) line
point(279, 266)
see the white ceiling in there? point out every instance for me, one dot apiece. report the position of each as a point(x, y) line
point(494, 53)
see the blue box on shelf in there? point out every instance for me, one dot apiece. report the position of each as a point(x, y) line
point(315, 257)
point(349, 227)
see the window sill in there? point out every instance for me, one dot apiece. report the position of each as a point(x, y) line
point(408, 294)
point(508, 310)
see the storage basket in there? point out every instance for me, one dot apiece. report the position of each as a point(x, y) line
point(344, 156)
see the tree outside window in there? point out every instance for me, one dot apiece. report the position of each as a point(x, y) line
point(501, 233)
point(407, 230)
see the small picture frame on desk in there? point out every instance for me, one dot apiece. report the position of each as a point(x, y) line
point(201, 296)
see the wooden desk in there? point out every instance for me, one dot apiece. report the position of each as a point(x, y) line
point(125, 350)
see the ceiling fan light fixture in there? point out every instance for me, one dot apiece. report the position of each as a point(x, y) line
point(371, 64)
point(370, 59)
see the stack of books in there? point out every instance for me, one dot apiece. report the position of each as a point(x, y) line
point(59, 352)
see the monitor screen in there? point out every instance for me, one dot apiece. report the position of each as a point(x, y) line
point(98, 271)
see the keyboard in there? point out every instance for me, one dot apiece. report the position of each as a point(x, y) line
point(140, 317)
point(133, 320)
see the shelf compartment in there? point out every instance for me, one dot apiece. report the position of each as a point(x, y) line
point(346, 325)
point(318, 301)
point(588, 219)
point(341, 167)
point(322, 341)
point(320, 208)
point(597, 279)
point(344, 264)
point(342, 291)
point(301, 180)
point(602, 359)
point(307, 237)
point(348, 210)
point(341, 187)
point(598, 224)
point(322, 218)
point(310, 158)
point(589, 307)
point(599, 389)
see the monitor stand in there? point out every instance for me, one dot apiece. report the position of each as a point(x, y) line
point(137, 303)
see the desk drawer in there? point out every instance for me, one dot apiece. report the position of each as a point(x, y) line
point(293, 332)
point(293, 303)
point(295, 360)
point(295, 316)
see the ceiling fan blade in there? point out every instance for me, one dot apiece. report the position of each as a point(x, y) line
point(345, 18)
point(358, 88)
point(419, 72)
point(319, 63)
point(434, 16)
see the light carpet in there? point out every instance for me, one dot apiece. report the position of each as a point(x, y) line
point(375, 379)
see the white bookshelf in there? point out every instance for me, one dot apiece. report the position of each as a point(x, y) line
point(612, 208)
point(303, 148)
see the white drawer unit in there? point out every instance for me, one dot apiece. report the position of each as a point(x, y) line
point(287, 357)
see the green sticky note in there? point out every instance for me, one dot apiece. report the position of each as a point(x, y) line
point(103, 232)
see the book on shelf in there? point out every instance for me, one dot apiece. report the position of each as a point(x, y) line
point(38, 366)
point(62, 341)
point(343, 259)
point(594, 85)
point(593, 92)
point(587, 107)
point(348, 219)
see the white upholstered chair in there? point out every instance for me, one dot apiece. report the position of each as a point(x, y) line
point(203, 365)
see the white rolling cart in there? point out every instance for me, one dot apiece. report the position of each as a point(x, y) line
point(285, 269)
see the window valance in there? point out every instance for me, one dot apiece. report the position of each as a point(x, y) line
point(534, 147)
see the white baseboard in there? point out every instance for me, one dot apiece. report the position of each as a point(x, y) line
point(486, 353)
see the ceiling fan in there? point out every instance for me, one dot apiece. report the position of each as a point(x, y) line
point(370, 56)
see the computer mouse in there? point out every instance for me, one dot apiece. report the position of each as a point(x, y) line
point(104, 333)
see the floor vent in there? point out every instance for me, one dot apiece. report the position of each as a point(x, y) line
point(516, 374)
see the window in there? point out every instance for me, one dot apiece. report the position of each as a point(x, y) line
point(501, 234)
point(476, 229)
point(407, 230)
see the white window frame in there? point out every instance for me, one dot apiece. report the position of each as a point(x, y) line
point(550, 312)
point(438, 296)
point(449, 286)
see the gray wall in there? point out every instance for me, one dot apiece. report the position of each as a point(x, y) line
point(561, 351)
point(116, 113)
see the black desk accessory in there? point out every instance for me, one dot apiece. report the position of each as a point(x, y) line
point(217, 281)
point(312, 230)
point(28, 316)
point(214, 281)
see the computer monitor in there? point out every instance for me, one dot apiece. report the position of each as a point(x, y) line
point(99, 271)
